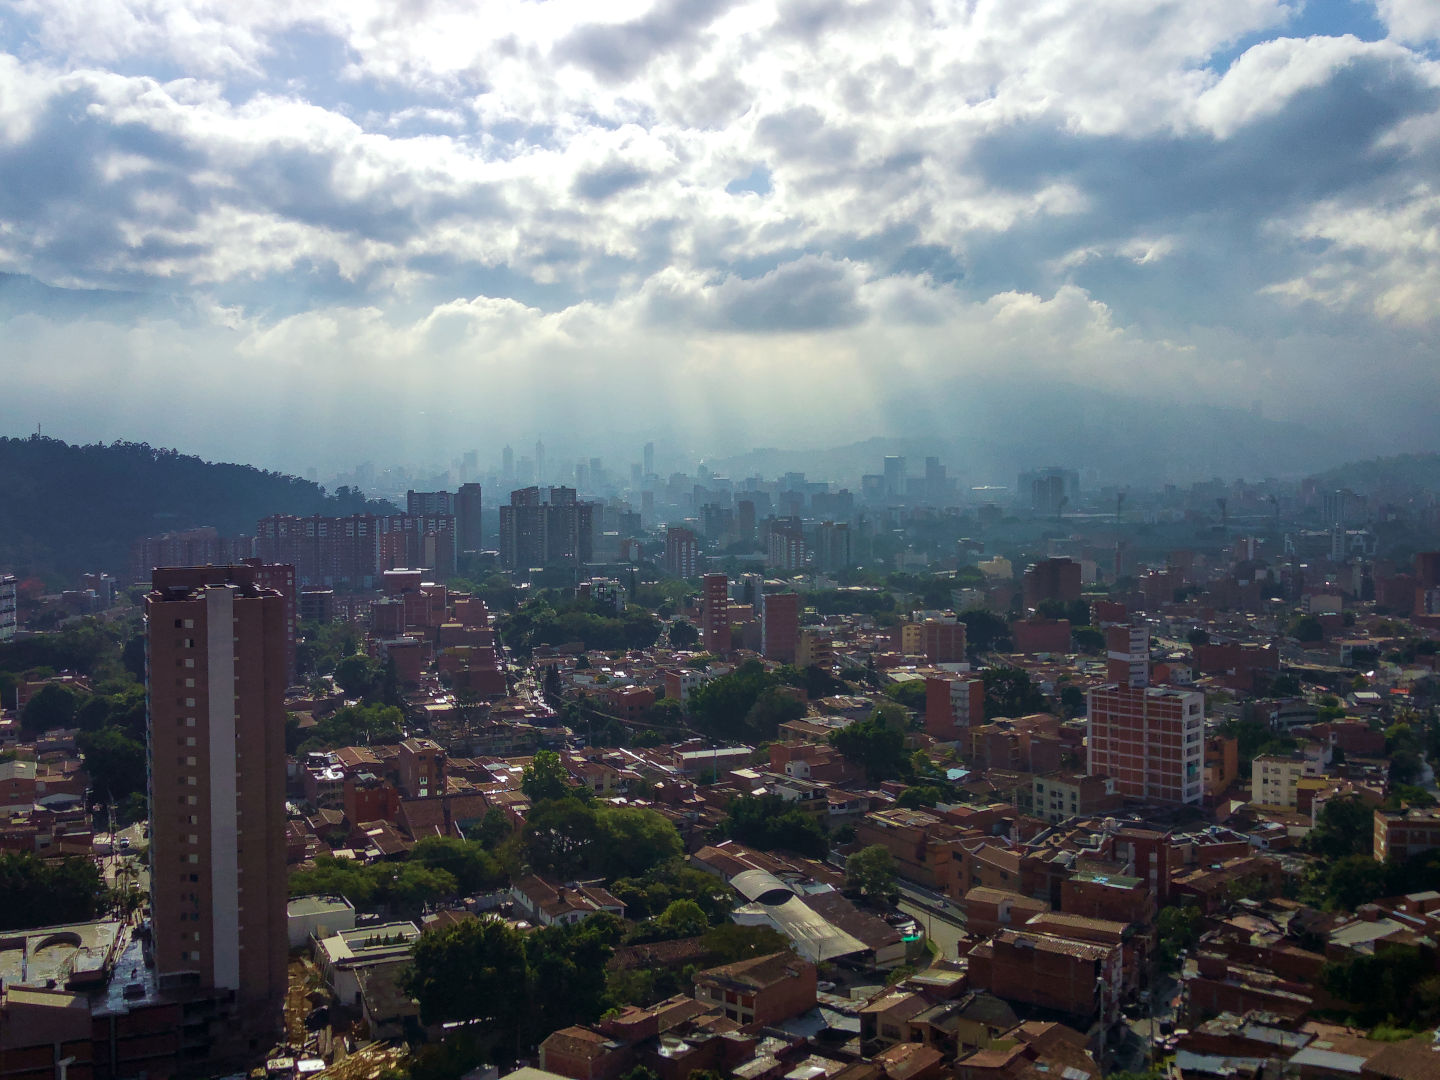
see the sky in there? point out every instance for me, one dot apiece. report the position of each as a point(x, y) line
point(320, 233)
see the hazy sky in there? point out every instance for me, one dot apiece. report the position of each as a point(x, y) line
point(309, 233)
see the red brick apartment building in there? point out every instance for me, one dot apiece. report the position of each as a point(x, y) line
point(1150, 741)
point(217, 674)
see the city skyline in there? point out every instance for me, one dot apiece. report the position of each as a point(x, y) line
point(710, 226)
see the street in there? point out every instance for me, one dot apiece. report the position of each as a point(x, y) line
point(943, 925)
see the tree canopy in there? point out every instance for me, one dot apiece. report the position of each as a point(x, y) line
point(871, 871)
point(47, 892)
point(768, 821)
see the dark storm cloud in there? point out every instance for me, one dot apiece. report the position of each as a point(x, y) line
point(620, 51)
point(801, 134)
point(1214, 195)
point(808, 294)
point(608, 180)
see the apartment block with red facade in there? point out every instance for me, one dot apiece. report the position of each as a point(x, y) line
point(216, 684)
point(682, 552)
point(1036, 635)
point(760, 991)
point(1149, 740)
point(1401, 834)
point(943, 641)
point(715, 615)
point(952, 705)
point(1081, 979)
point(1051, 579)
point(780, 626)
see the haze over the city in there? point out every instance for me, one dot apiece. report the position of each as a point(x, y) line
point(285, 234)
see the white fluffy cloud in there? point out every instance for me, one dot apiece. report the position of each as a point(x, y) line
point(656, 196)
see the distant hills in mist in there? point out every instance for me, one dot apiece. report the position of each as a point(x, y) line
point(66, 509)
point(990, 435)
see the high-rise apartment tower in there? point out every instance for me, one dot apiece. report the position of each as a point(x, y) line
point(216, 644)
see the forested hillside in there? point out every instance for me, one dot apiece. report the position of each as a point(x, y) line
point(64, 508)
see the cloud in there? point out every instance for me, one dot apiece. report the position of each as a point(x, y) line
point(1037, 186)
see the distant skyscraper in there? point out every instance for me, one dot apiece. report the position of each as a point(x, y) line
point(649, 459)
point(540, 475)
point(894, 476)
point(216, 686)
point(468, 531)
point(8, 603)
point(507, 465)
point(550, 529)
point(681, 552)
point(429, 502)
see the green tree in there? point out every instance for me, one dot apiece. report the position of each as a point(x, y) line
point(473, 868)
point(559, 837)
point(730, 942)
point(680, 919)
point(412, 885)
point(871, 870)
point(768, 821)
point(358, 676)
point(1306, 629)
point(336, 877)
point(46, 892)
point(771, 709)
point(492, 831)
point(545, 778)
point(1179, 927)
point(115, 762)
point(915, 798)
point(1352, 881)
point(873, 745)
point(473, 970)
point(567, 972)
point(1344, 826)
point(683, 634)
point(985, 632)
point(910, 693)
point(1010, 692)
point(1072, 700)
point(52, 706)
point(720, 707)
point(630, 841)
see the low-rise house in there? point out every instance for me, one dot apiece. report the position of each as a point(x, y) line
point(344, 956)
point(761, 991)
point(548, 903)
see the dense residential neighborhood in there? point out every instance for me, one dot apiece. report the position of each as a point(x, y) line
point(946, 788)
